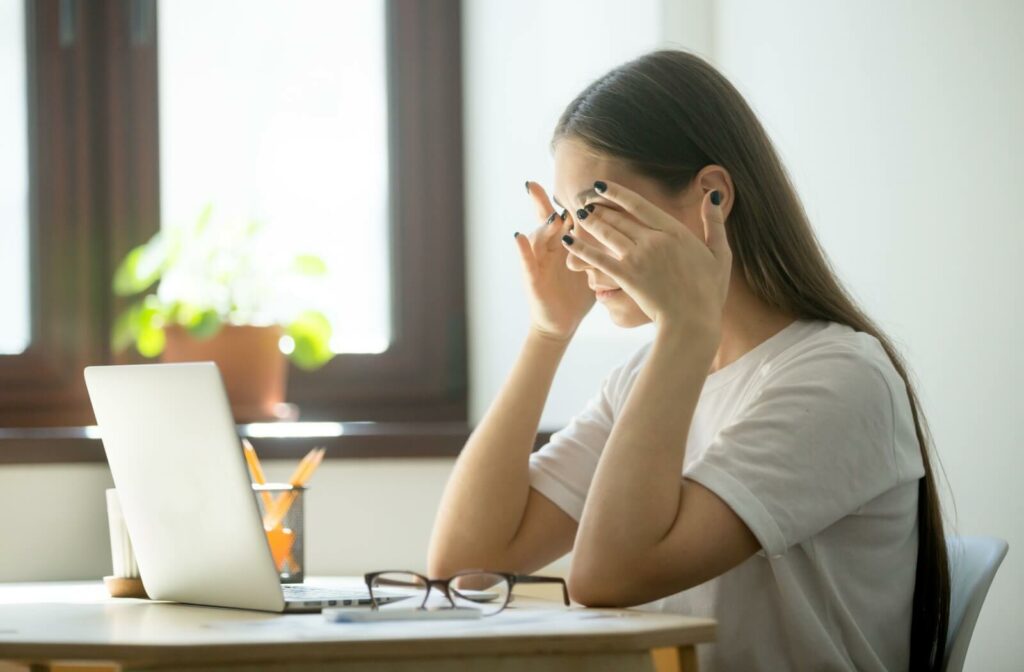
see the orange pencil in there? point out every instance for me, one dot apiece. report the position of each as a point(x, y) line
point(299, 478)
point(301, 469)
point(256, 471)
point(312, 465)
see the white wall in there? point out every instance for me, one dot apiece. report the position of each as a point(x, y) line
point(360, 515)
point(524, 62)
point(902, 124)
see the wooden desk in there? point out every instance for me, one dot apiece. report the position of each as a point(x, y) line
point(53, 625)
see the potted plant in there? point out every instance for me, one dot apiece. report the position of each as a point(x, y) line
point(223, 292)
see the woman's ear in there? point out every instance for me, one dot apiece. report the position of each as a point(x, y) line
point(714, 177)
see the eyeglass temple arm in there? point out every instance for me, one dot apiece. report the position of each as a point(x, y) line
point(529, 578)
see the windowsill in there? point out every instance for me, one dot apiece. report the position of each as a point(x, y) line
point(279, 440)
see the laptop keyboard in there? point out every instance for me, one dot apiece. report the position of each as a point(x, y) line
point(298, 592)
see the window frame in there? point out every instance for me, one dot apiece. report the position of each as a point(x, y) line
point(91, 195)
point(94, 194)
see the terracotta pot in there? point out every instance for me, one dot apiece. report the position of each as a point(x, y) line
point(252, 366)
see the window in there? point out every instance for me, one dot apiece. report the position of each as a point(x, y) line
point(291, 136)
point(14, 299)
point(113, 151)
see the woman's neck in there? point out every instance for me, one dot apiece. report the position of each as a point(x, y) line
point(747, 321)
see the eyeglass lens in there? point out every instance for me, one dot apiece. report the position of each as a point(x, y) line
point(483, 591)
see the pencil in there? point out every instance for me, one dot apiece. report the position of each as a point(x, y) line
point(296, 478)
point(256, 470)
point(299, 478)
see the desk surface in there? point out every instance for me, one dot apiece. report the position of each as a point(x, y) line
point(78, 620)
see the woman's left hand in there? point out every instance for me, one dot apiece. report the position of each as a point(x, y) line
point(677, 279)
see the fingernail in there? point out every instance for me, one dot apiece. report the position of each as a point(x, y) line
point(515, 235)
point(716, 198)
point(565, 213)
point(590, 207)
point(600, 187)
point(581, 214)
point(527, 186)
point(551, 218)
point(567, 239)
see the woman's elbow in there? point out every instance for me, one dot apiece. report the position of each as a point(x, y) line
point(594, 584)
point(441, 560)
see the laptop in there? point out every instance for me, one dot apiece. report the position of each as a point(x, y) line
point(186, 493)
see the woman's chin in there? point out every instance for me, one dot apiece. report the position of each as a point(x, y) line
point(628, 317)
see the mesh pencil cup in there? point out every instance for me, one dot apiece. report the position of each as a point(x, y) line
point(281, 508)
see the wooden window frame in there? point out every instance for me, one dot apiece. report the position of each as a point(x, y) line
point(94, 176)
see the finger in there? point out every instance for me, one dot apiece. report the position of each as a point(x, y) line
point(645, 212)
point(714, 224)
point(605, 233)
point(624, 223)
point(594, 256)
point(545, 211)
point(525, 252)
point(551, 228)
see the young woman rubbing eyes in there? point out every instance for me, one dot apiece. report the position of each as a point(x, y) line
point(763, 460)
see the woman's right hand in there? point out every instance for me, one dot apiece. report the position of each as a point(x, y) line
point(559, 298)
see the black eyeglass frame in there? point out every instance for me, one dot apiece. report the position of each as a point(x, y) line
point(444, 585)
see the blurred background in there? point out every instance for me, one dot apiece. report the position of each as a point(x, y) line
point(344, 179)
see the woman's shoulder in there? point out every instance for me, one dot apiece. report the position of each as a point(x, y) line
point(839, 348)
point(852, 365)
point(837, 364)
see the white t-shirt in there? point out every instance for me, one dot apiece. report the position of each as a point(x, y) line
point(809, 438)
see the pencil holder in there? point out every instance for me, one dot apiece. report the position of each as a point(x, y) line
point(125, 580)
point(281, 508)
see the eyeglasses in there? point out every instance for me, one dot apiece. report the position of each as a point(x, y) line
point(488, 592)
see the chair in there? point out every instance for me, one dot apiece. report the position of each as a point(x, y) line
point(973, 562)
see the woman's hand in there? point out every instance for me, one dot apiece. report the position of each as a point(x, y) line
point(559, 298)
point(677, 279)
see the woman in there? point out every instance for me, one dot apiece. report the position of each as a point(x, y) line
point(764, 460)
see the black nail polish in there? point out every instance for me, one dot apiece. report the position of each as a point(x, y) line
point(527, 186)
point(600, 187)
point(551, 217)
point(581, 214)
point(567, 240)
point(515, 235)
point(716, 198)
point(590, 207)
point(565, 213)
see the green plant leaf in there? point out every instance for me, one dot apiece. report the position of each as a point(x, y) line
point(126, 328)
point(311, 332)
point(151, 339)
point(309, 264)
point(206, 326)
point(141, 267)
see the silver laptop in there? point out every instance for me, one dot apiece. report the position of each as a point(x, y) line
point(185, 491)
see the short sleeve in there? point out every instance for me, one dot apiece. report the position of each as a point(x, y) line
point(815, 444)
point(563, 469)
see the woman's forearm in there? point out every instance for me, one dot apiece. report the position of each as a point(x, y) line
point(634, 497)
point(486, 495)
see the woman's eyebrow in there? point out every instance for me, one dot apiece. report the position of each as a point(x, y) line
point(555, 199)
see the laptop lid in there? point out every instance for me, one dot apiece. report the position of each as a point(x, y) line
point(180, 474)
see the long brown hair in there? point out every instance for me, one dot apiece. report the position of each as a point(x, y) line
point(667, 115)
